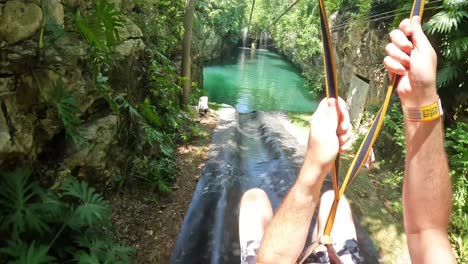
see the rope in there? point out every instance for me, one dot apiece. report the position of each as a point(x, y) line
point(332, 92)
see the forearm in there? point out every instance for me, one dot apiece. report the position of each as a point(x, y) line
point(285, 236)
point(426, 192)
point(426, 189)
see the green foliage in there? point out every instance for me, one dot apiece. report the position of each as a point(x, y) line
point(447, 29)
point(19, 211)
point(391, 142)
point(161, 123)
point(69, 112)
point(225, 17)
point(457, 150)
point(296, 34)
point(90, 206)
point(161, 23)
point(55, 225)
point(300, 119)
point(100, 27)
point(28, 253)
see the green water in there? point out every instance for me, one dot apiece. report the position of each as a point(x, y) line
point(260, 81)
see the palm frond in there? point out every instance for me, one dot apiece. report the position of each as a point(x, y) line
point(445, 21)
point(456, 48)
point(446, 74)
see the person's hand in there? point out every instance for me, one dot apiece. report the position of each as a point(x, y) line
point(411, 56)
point(330, 133)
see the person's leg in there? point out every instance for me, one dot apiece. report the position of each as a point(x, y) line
point(255, 214)
point(344, 232)
point(343, 227)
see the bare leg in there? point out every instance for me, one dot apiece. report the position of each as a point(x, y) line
point(343, 228)
point(254, 215)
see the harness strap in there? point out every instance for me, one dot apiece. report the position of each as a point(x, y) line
point(324, 240)
point(369, 140)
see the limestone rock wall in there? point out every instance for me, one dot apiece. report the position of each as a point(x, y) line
point(359, 52)
point(31, 132)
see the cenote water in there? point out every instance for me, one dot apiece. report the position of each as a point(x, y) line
point(258, 81)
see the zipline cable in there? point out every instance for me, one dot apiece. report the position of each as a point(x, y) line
point(396, 10)
point(345, 25)
point(287, 10)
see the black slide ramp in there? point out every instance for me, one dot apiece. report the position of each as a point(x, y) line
point(204, 232)
point(243, 155)
point(248, 150)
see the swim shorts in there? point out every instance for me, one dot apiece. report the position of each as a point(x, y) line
point(347, 251)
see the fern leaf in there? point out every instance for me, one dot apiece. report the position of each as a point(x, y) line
point(19, 211)
point(92, 207)
point(150, 113)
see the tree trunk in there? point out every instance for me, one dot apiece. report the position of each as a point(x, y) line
point(251, 12)
point(186, 64)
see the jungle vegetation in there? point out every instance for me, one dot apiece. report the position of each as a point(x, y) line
point(69, 220)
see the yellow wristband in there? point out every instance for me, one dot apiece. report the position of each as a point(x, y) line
point(423, 114)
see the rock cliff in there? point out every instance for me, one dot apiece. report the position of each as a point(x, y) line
point(32, 59)
point(359, 51)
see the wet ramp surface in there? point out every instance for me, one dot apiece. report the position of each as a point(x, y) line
point(248, 150)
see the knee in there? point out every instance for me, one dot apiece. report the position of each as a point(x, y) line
point(327, 200)
point(257, 200)
point(255, 197)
